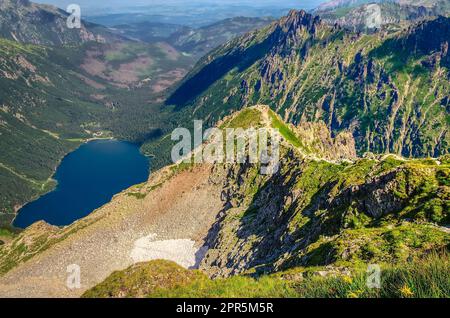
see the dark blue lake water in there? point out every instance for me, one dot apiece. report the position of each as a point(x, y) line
point(87, 179)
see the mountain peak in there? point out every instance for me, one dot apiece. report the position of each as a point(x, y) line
point(296, 13)
point(297, 19)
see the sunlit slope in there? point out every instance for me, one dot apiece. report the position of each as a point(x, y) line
point(327, 212)
point(390, 90)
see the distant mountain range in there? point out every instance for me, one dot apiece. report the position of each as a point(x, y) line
point(366, 14)
point(334, 4)
point(194, 14)
point(195, 41)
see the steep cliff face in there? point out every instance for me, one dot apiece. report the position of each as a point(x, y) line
point(390, 90)
point(316, 213)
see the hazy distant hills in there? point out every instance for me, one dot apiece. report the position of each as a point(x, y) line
point(194, 41)
point(202, 40)
point(367, 14)
point(334, 4)
point(196, 13)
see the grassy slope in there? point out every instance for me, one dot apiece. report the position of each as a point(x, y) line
point(26, 21)
point(317, 213)
point(48, 107)
point(424, 278)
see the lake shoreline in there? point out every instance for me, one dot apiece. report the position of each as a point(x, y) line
point(53, 178)
point(18, 207)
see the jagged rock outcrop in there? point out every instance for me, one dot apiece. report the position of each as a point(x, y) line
point(315, 213)
point(317, 137)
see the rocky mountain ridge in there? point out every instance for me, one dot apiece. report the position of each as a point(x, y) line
point(312, 212)
point(377, 86)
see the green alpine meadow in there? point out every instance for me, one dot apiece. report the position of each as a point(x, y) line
point(287, 150)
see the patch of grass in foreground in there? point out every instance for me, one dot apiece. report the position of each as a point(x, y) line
point(233, 287)
point(427, 278)
point(424, 278)
point(141, 279)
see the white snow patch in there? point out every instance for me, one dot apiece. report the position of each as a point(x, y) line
point(183, 252)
